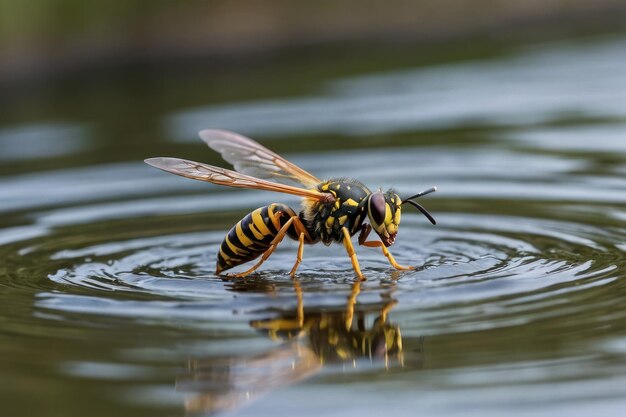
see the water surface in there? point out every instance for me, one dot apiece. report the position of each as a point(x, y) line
point(109, 301)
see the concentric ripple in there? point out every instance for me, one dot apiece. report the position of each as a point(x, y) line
point(467, 259)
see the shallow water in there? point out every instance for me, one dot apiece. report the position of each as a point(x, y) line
point(109, 304)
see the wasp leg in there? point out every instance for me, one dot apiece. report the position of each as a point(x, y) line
point(365, 232)
point(277, 239)
point(299, 256)
point(350, 249)
point(392, 261)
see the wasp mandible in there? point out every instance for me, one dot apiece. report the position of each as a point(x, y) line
point(332, 211)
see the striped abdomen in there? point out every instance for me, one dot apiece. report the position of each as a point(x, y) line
point(252, 235)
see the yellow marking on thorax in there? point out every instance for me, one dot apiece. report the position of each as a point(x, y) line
point(337, 204)
point(259, 223)
point(343, 219)
point(242, 237)
point(351, 202)
point(329, 222)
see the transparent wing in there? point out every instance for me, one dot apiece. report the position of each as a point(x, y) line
point(221, 176)
point(251, 158)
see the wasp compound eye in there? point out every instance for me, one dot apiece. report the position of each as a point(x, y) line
point(377, 208)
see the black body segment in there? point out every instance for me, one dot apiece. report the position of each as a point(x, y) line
point(253, 235)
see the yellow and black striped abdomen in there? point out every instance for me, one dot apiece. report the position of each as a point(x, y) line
point(252, 235)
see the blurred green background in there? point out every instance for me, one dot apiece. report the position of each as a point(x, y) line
point(41, 38)
point(101, 62)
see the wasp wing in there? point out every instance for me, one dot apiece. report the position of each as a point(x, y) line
point(252, 158)
point(222, 176)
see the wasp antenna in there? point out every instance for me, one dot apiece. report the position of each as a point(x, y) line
point(420, 194)
point(422, 209)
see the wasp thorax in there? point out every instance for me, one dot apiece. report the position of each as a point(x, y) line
point(383, 210)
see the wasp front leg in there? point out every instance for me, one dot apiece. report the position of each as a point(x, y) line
point(365, 231)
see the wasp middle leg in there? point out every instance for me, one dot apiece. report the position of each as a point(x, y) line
point(350, 249)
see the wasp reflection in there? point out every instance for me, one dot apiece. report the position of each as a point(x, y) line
point(308, 341)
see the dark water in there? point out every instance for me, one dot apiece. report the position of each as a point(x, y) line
point(109, 305)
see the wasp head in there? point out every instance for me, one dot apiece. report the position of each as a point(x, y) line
point(383, 210)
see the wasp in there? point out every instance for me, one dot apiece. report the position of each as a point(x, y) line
point(333, 210)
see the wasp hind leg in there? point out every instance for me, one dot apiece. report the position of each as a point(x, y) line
point(303, 237)
point(277, 239)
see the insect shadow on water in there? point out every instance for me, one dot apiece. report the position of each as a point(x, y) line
point(333, 210)
point(308, 341)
